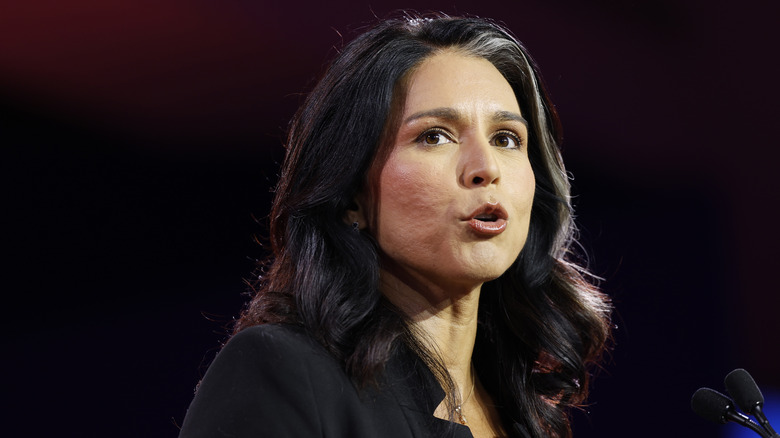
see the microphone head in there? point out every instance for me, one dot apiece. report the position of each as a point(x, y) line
point(711, 405)
point(741, 386)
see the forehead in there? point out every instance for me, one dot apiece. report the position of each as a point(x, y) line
point(455, 80)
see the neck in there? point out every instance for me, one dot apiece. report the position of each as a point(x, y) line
point(446, 322)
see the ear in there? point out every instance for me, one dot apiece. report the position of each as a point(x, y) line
point(355, 214)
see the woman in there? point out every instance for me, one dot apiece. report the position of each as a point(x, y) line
point(419, 284)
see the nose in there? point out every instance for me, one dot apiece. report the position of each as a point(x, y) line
point(478, 164)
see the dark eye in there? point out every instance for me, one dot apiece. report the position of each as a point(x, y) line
point(507, 140)
point(434, 137)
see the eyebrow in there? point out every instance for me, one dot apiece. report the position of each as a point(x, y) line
point(508, 116)
point(452, 114)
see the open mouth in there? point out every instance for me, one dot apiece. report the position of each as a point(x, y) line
point(488, 220)
point(486, 217)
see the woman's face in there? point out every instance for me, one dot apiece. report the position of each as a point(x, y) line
point(453, 201)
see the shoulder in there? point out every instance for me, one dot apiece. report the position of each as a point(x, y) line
point(270, 352)
point(272, 342)
point(276, 380)
point(265, 358)
point(261, 378)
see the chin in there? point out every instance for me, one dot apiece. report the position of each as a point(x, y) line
point(486, 273)
point(491, 268)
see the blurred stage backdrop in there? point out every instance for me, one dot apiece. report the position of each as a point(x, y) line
point(140, 141)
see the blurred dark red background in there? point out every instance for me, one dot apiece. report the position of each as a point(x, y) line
point(140, 141)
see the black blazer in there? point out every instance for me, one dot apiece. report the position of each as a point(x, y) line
point(276, 381)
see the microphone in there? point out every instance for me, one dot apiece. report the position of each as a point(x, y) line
point(716, 407)
point(747, 395)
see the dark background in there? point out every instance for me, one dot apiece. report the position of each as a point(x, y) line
point(140, 141)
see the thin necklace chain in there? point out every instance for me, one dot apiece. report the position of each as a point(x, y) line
point(459, 409)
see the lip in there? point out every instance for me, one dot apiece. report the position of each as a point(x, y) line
point(493, 227)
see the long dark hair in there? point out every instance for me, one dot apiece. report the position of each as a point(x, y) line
point(542, 323)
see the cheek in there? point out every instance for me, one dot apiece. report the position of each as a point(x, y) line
point(523, 186)
point(520, 182)
point(402, 192)
point(397, 175)
point(409, 196)
point(529, 188)
point(413, 180)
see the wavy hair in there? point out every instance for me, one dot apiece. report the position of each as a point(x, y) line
point(542, 324)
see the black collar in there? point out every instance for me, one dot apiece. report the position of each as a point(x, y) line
point(419, 393)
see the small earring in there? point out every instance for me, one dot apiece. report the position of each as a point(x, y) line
point(356, 227)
